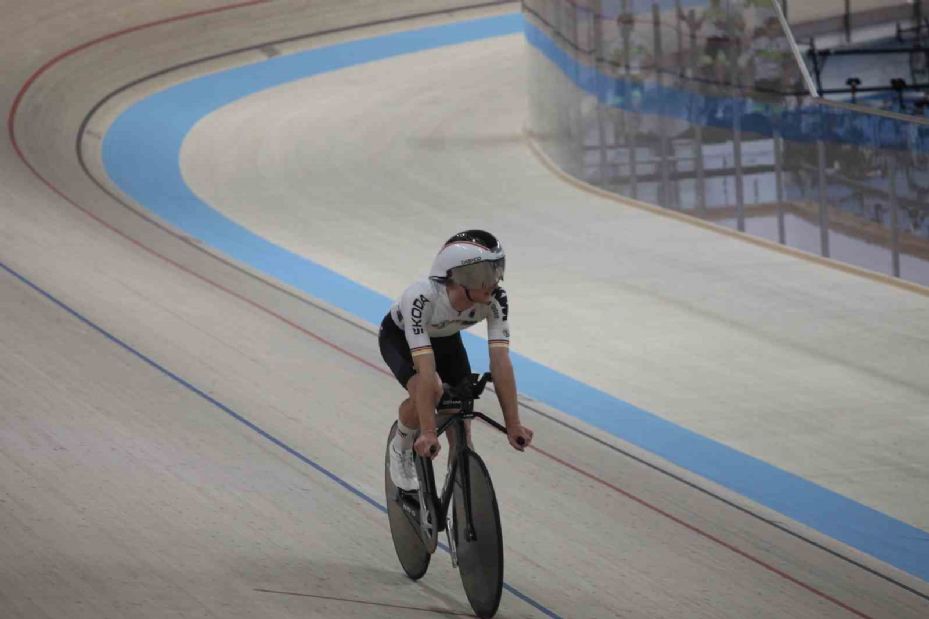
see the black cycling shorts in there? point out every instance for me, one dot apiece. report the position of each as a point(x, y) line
point(451, 358)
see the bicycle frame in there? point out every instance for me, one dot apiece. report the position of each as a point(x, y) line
point(427, 489)
point(466, 508)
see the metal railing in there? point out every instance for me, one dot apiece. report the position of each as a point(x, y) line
point(705, 107)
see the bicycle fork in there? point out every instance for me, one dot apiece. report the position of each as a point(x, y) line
point(449, 514)
point(428, 522)
point(450, 524)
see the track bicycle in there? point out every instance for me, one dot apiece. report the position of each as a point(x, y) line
point(466, 509)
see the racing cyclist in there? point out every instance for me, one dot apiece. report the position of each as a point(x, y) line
point(420, 340)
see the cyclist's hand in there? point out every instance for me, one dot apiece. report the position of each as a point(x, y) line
point(427, 445)
point(519, 436)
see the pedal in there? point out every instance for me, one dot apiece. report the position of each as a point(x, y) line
point(452, 549)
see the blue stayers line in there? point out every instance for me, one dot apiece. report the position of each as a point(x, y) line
point(358, 493)
point(141, 152)
point(199, 392)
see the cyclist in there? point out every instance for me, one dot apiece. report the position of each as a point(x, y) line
point(420, 340)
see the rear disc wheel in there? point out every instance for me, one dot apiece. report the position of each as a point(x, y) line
point(404, 527)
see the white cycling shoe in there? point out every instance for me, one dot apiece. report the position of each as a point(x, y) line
point(402, 469)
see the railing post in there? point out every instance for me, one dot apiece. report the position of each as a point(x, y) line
point(695, 117)
point(626, 31)
point(633, 172)
point(580, 128)
point(698, 158)
point(823, 213)
point(679, 11)
point(597, 24)
point(737, 163)
point(894, 217)
point(779, 185)
point(848, 21)
point(665, 192)
point(736, 101)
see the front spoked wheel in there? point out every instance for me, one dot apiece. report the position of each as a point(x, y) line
point(402, 511)
point(479, 549)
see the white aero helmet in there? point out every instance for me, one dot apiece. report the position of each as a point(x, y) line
point(473, 259)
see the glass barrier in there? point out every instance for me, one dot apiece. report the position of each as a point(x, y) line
point(703, 107)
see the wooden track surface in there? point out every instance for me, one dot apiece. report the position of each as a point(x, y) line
point(182, 439)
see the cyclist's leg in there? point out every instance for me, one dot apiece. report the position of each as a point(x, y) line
point(396, 353)
point(407, 413)
point(453, 365)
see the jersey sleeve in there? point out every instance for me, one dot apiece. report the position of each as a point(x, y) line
point(416, 308)
point(498, 323)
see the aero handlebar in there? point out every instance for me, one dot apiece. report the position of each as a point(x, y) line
point(462, 396)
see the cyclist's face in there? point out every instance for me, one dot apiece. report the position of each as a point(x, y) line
point(481, 295)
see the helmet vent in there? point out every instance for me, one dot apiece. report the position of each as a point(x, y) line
point(479, 237)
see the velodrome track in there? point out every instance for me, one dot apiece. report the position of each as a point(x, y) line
point(183, 438)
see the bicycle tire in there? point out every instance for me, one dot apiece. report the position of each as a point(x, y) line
point(480, 561)
point(408, 542)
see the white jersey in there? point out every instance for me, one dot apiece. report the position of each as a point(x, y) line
point(424, 311)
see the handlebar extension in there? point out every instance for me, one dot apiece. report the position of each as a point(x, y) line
point(469, 388)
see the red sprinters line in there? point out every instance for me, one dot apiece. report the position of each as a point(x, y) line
point(107, 37)
point(703, 533)
point(12, 135)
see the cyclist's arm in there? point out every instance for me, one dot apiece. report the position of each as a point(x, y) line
point(424, 398)
point(498, 338)
point(416, 308)
point(504, 383)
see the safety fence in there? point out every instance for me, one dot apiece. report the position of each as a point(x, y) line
point(705, 106)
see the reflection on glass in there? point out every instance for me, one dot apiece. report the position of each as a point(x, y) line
point(701, 106)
